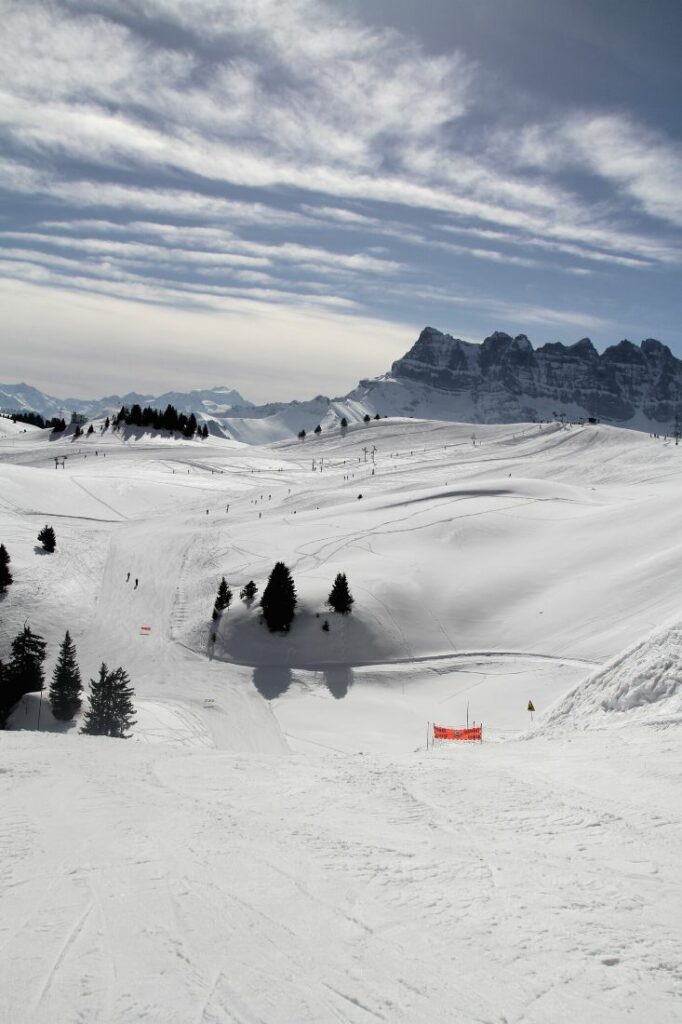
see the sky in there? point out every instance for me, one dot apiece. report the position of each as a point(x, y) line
point(278, 195)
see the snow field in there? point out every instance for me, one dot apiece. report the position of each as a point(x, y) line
point(518, 882)
point(275, 844)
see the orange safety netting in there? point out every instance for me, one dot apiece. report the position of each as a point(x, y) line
point(440, 732)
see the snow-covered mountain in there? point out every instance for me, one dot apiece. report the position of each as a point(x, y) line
point(502, 380)
point(506, 380)
point(209, 401)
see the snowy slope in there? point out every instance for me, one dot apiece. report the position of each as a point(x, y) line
point(520, 882)
point(275, 844)
point(508, 553)
point(643, 684)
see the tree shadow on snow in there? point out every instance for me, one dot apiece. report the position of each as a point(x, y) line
point(272, 681)
point(339, 680)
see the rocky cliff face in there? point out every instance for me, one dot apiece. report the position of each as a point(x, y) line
point(506, 379)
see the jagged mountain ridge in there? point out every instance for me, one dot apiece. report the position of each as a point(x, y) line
point(503, 379)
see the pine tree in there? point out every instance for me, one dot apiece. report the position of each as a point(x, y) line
point(48, 539)
point(66, 686)
point(248, 591)
point(344, 423)
point(318, 429)
point(301, 435)
point(340, 597)
point(26, 666)
point(223, 600)
point(5, 575)
point(366, 418)
point(123, 710)
point(111, 711)
point(279, 599)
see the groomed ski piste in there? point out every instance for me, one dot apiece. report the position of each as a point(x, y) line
point(274, 844)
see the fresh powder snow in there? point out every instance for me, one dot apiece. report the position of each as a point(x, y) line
point(275, 843)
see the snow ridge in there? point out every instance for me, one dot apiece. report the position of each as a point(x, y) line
point(642, 684)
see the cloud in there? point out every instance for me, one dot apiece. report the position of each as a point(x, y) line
point(301, 99)
point(639, 161)
point(230, 250)
point(234, 156)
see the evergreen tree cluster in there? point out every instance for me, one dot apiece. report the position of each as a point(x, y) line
point(36, 420)
point(111, 711)
point(279, 598)
point(168, 419)
point(343, 424)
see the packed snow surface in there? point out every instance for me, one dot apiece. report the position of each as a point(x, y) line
point(275, 844)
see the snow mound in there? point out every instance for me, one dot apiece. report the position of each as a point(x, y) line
point(642, 684)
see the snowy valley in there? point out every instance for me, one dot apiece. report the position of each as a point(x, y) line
point(275, 843)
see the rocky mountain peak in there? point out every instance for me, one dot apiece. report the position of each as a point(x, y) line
point(505, 378)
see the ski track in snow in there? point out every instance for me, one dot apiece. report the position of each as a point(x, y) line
point(304, 859)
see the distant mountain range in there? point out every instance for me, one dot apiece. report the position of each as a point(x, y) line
point(502, 380)
point(210, 401)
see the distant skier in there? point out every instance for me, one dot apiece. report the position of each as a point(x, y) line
point(136, 582)
point(128, 578)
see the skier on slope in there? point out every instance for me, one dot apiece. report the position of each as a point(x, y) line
point(136, 582)
point(127, 577)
